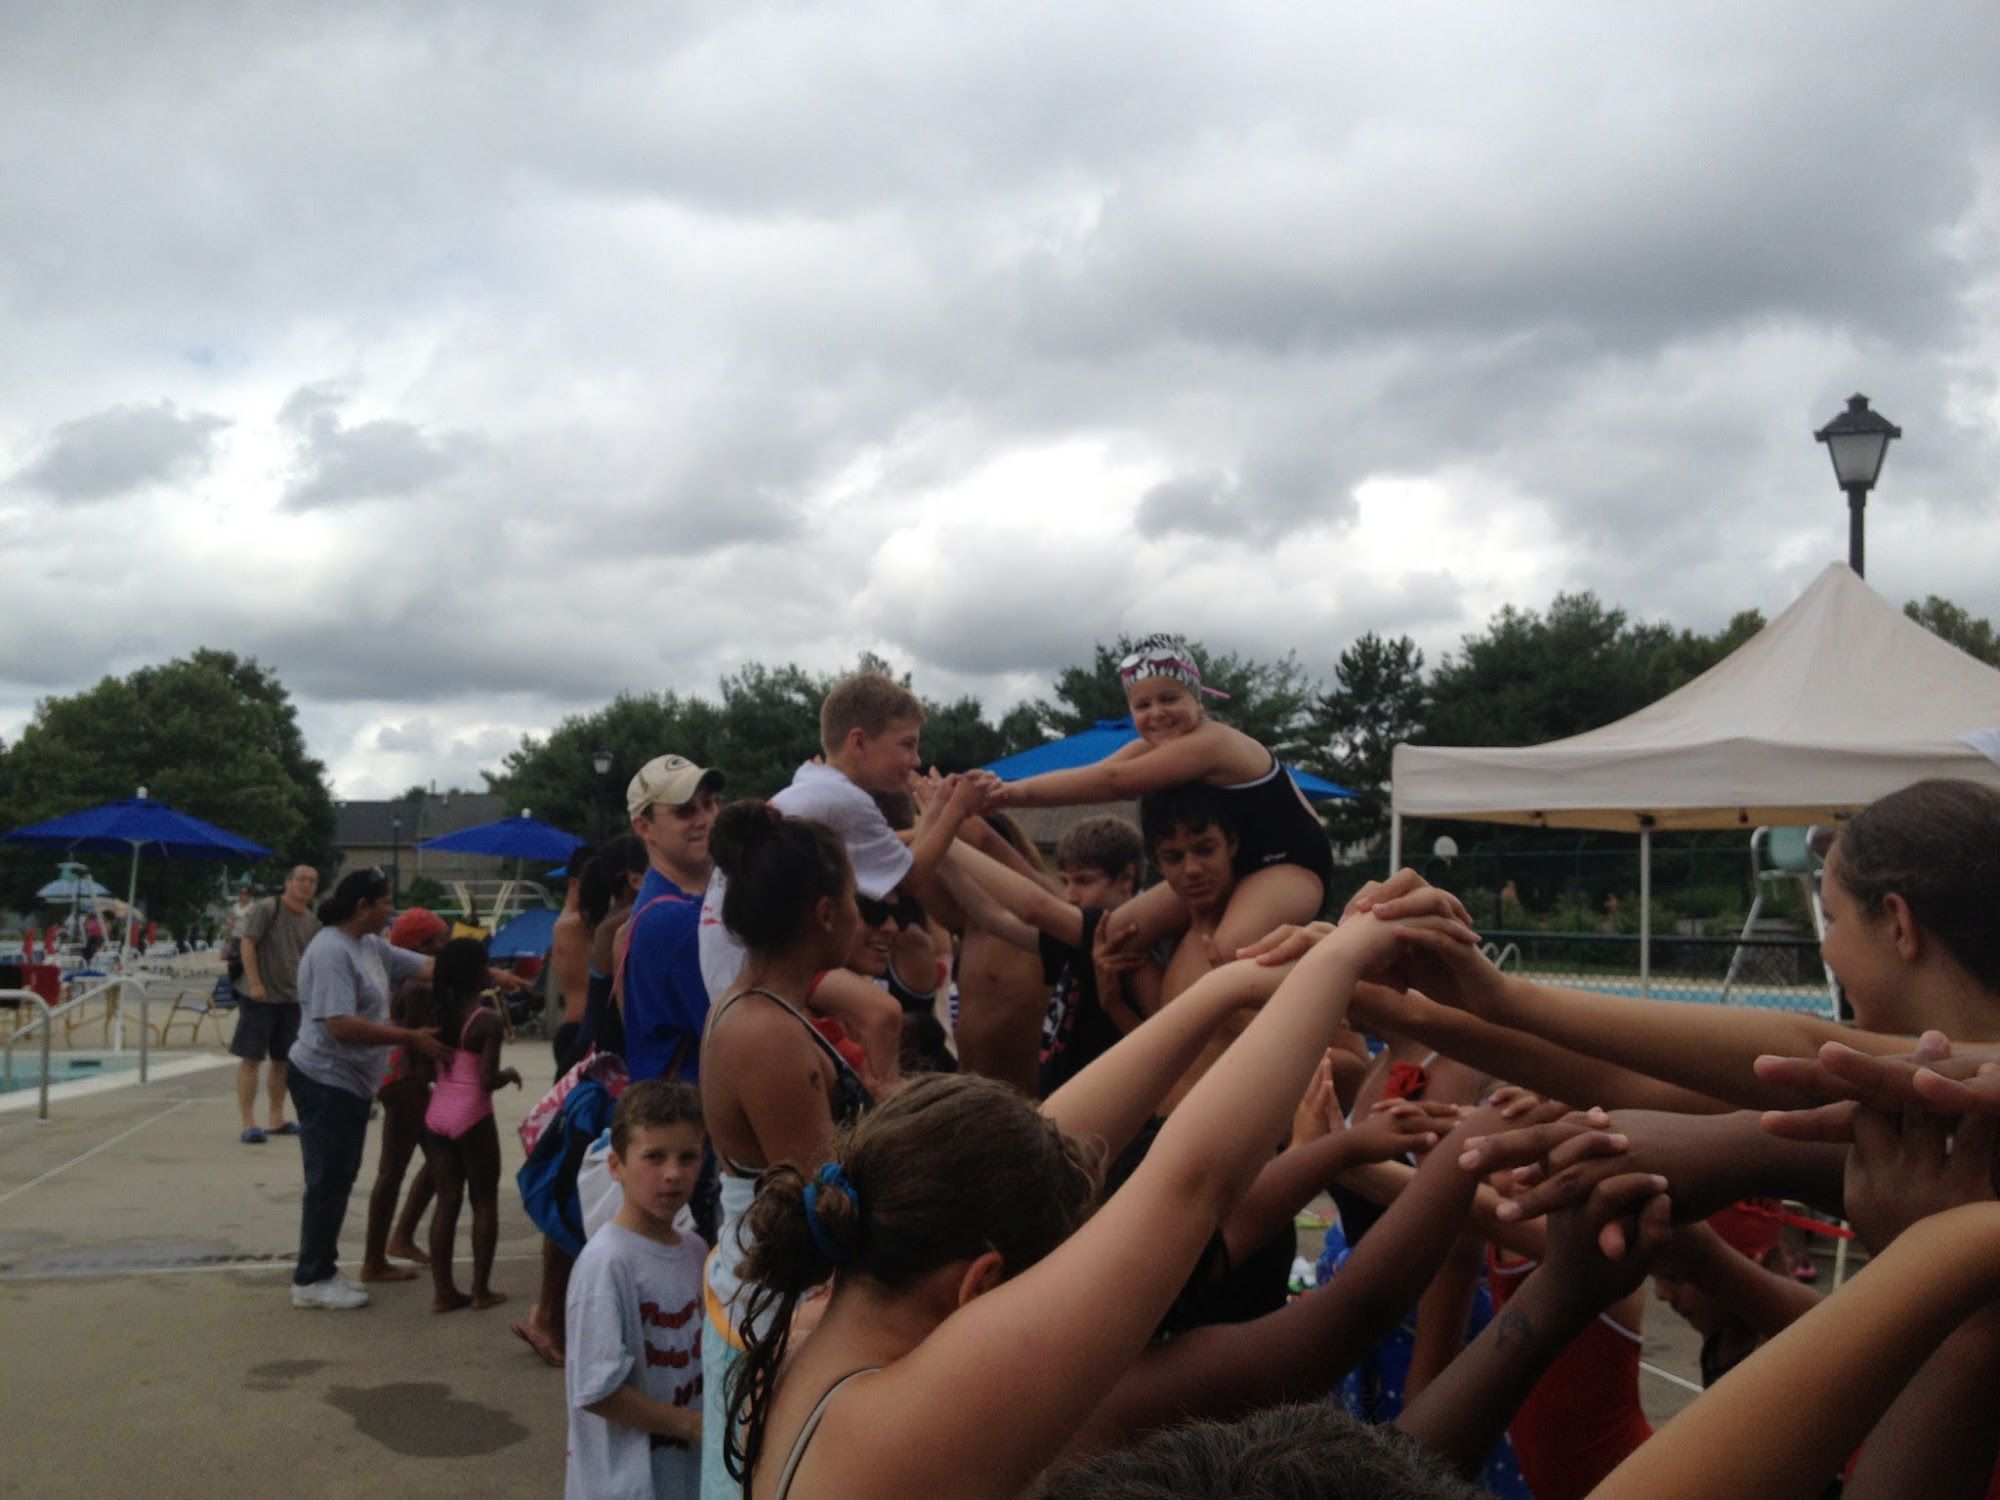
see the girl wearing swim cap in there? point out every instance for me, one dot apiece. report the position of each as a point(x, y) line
point(1282, 862)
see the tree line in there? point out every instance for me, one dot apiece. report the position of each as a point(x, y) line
point(217, 735)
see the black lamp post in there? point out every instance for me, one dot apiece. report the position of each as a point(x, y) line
point(601, 763)
point(1857, 440)
point(396, 855)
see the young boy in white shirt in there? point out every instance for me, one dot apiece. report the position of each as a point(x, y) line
point(633, 1315)
point(868, 728)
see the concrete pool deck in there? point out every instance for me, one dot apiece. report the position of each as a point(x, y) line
point(147, 1339)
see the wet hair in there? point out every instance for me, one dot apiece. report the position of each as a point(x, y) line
point(1311, 1451)
point(616, 857)
point(653, 1105)
point(948, 1167)
point(1109, 845)
point(1189, 807)
point(868, 702)
point(355, 887)
point(777, 867)
point(1937, 845)
point(457, 980)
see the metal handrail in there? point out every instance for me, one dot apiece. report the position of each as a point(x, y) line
point(47, 1037)
point(46, 1022)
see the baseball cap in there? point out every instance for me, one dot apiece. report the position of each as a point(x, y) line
point(415, 927)
point(672, 779)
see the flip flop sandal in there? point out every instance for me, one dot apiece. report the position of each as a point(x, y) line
point(545, 1351)
point(252, 1137)
point(290, 1127)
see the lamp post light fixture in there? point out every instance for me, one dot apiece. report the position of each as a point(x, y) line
point(1857, 440)
point(601, 763)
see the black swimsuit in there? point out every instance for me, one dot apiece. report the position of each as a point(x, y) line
point(1275, 826)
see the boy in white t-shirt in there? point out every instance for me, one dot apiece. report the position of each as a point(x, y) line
point(869, 727)
point(633, 1315)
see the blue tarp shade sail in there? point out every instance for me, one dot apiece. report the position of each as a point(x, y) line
point(524, 936)
point(509, 838)
point(1108, 735)
point(137, 825)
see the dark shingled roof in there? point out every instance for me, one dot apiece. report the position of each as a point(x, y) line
point(367, 825)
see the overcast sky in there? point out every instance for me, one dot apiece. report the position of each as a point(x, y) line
point(470, 363)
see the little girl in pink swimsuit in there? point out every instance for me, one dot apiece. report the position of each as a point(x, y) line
point(461, 1141)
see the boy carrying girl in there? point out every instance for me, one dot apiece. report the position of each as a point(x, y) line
point(633, 1373)
point(868, 728)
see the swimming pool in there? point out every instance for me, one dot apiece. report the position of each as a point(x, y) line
point(64, 1067)
point(77, 1073)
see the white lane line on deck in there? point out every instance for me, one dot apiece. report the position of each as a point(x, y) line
point(284, 1262)
point(57, 1171)
point(1671, 1378)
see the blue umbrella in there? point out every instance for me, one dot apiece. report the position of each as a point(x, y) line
point(525, 936)
point(1108, 735)
point(71, 889)
point(142, 826)
point(510, 838)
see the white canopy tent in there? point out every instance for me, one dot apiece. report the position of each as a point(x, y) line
point(1836, 702)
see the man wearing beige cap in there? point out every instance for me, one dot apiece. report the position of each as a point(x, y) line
point(672, 802)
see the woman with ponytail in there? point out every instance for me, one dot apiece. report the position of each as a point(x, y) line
point(774, 1091)
point(977, 1319)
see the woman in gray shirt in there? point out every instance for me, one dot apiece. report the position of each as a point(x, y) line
point(336, 1065)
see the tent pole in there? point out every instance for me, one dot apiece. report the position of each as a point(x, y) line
point(1395, 841)
point(1646, 912)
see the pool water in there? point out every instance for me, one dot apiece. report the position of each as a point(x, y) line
point(64, 1067)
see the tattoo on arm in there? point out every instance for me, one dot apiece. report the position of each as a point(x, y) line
point(1513, 1329)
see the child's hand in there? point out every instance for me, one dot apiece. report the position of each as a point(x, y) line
point(1601, 1248)
point(1913, 1163)
point(425, 1040)
point(1285, 942)
point(1396, 1126)
point(1317, 1111)
point(1393, 898)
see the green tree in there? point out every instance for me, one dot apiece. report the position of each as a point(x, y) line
point(1376, 703)
point(1972, 635)
point(555, 777)
point(1532, 677)
point(213, 734)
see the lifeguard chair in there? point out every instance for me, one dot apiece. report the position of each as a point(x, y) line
point(1778, 856)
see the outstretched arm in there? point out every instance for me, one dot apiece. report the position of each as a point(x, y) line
point(1298, 1352)
point(1132, 771)
point(1710, 1049)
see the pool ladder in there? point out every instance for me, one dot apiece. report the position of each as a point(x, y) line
point(46, 1021)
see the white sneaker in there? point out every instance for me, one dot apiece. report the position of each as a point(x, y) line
point(336, 1292)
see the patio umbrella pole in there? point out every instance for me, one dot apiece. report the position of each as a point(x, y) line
point(131, 898)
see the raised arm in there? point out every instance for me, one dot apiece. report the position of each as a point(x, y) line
point(1054, 1327)
point(1119, 1090)
point(1780, 1423)
point(1301, 1350)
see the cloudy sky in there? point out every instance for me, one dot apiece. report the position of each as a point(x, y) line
point(470, 363)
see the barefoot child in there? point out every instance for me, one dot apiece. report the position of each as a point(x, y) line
point(1283, 861)
point(634, 1314)
point(461, 1142)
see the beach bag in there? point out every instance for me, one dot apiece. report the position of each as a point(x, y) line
point(548, 1181)
point(606, 1068)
